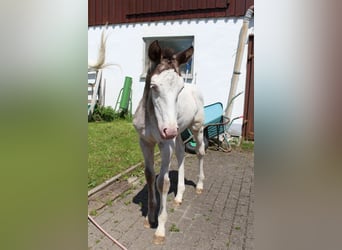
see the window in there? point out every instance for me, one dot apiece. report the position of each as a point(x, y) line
point(177, 44)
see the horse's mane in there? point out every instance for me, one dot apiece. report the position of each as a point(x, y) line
point(167, 53)
point(164, 63)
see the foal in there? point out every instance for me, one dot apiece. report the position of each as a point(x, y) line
point(167, 108)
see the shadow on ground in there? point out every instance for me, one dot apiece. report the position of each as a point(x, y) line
point(141, 198)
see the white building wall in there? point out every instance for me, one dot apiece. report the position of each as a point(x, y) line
point(215, 44)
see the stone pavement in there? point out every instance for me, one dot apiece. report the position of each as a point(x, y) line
point(222, 217)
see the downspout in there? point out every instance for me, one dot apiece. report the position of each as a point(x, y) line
point(237, 65)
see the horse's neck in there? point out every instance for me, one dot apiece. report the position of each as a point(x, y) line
point(149, 108)
point(145, 111)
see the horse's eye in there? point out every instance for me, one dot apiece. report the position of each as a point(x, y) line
point(154, 86)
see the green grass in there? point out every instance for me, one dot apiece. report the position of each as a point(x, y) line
point(244, 145)
point(174, 228)
point(247, 145)
point(127, 203)
point(93, 213)
point(112, 148)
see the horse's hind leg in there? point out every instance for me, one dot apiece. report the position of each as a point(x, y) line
point(180, 159)
point(148, 153)
point(200, 151)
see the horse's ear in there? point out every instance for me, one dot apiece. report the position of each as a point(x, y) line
point(184, 56)
point(154, 51)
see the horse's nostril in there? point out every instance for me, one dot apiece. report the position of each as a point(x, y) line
point(169, 132)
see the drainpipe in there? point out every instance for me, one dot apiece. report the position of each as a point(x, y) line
point(237, 65)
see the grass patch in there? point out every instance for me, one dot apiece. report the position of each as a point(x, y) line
point(109, 203)
point(238, 143)
point(247, 145)
point(126, 193)
point(112, 148)
point(127, 203)
point(93, 213)
point(174, 228)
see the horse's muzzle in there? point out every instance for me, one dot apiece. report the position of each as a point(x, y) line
point(169, 133)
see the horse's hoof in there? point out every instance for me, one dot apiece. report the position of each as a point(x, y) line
point(158, 240)
point(199, 190)
point(146, 224)
point(176, 203)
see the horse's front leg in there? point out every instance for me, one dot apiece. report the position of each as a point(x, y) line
point(180, 159)
point(163, 186)
point(148, 153)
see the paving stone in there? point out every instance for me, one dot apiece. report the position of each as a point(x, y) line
point(222, 217)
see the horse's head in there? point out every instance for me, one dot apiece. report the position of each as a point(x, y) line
point(166, 83)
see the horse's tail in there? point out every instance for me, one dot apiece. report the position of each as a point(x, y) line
point(101, 58)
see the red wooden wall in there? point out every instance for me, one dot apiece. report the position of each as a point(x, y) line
point(131, 11)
